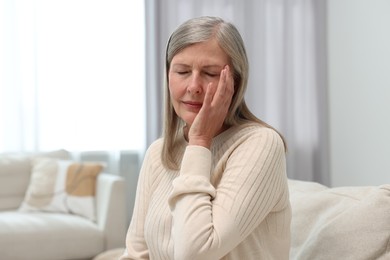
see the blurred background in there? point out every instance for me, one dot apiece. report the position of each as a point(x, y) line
point(87, 76)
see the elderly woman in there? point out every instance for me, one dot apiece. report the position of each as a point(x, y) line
point(214, 186)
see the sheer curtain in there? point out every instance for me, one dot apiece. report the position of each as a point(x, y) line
point(17, 79)
point(72, 75)
point(285, 42)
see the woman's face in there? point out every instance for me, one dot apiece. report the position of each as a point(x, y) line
point(191, 70)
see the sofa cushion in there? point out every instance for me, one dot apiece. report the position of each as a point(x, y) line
point(51, 236)
point(112, 254)
point(339, 223)
point(15, 171)
point(62, 186)
point(14, 179)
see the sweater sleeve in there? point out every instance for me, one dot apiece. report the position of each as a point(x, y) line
point(208, 221)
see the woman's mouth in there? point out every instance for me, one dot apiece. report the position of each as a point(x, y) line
point(193, 105)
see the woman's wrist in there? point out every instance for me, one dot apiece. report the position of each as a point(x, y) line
point(200, 142)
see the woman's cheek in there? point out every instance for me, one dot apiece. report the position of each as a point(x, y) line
point(177, 87)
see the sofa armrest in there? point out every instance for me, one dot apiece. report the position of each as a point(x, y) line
point(111, 209)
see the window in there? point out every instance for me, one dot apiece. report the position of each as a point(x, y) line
point(77, 78)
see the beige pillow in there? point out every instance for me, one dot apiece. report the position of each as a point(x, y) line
point(339, 223)
point(62, 186)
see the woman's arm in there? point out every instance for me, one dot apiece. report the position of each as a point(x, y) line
point(209, 222)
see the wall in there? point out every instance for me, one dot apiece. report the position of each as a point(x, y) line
point(359, 93)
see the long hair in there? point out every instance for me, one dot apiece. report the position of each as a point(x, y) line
point(194, 31)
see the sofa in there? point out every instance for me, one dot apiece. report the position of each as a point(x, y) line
point(78, 222)
point(339, 223)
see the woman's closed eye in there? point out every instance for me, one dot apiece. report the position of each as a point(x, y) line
point(212, 74)
point(182, 72)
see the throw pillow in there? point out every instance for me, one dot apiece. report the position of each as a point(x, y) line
point(62, 186)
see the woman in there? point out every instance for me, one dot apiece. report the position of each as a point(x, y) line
point(214, 186)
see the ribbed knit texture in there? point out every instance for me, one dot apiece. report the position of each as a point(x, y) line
point(230, 202)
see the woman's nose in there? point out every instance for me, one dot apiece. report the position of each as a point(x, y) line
point(195, 85)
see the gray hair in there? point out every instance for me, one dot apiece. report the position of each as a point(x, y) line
point(194, 31)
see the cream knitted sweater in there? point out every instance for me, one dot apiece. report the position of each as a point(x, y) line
point(229, 202)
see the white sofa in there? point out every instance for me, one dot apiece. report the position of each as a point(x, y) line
point(51, 236)
point(339, 223)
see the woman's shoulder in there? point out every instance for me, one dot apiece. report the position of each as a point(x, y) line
point(156, 144)
point(154, 148)
point(252, 129)
point(255, 133)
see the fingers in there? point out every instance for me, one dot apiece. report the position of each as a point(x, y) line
point(216, 102)
point(209, 95)
point(225, 88)
point(220, 95)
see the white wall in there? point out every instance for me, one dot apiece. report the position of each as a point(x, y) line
point(359, 94)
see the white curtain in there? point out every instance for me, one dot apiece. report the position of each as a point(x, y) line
point(72, 75)
point(285, 41)
point(17, 98)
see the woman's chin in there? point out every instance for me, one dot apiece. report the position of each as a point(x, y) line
point(189, 119)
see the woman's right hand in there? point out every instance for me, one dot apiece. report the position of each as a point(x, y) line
point(209, 121)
